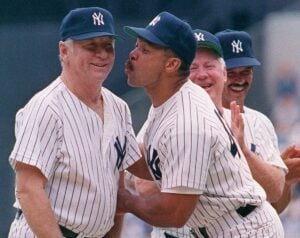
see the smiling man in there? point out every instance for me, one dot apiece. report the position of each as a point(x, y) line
point(240, 62)
point(239, 59)
point(73, 138)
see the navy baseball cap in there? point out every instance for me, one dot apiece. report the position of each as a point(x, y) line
point(207, 40)
point(237, 49)
point(85, 23)
point(168, 31)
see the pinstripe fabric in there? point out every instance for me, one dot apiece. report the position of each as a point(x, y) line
point(263, 222)
point(260, 132)
point(189, 146)
point(260, 136)
point(79, 155)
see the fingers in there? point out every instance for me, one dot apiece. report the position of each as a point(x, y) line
point(293, 175)
point(233, 111)
point(288, 152)
point(241, 120)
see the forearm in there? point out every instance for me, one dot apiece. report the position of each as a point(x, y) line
point(284, 200)
point(151, 212)
point(38, 213)
point(140, 169)
point(271, 178)
point(161, 209)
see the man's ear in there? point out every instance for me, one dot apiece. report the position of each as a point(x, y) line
point(172, 64)
point(225, 74)
point(63, 50)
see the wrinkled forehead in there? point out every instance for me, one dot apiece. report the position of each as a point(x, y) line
point(205, 51)
point(205, 55)
point(98, 39)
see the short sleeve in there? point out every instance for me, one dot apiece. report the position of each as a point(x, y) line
point(187, 160)
point(38, 138)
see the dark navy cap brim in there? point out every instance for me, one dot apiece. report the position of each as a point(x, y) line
point(209, 45)
point(92, 35)
point(241, 62)
point(143, 33)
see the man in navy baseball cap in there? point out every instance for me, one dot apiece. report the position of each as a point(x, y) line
point(85, 23)
point(168, 31)
point(239, 59)
point(182, 126)
point(73, 105)
point(240, 62)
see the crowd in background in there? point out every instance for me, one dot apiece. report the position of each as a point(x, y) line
point(286, 118)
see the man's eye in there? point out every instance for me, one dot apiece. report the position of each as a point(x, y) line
point(89, 47)
point(246, 73)
point(144, 50)
point(210, 66)
point(109, 48)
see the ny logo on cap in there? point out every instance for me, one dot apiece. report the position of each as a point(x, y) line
point(237, 46)
point(98, 19)
point(154, 21)
point(199, 36)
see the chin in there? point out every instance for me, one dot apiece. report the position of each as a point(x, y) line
point(133, 83)
point(130, 82)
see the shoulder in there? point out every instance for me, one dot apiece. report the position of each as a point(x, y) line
point(192, 95)
point(46, 99)
point(262, 123)
point(190, 87)
point(195, 108)
point(112, 98)
point(116, 105)
point(249, 112)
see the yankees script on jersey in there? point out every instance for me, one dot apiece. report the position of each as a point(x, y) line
point(78, 154)
point(190, 149)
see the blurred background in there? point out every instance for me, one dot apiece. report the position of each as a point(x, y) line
point(29, 62)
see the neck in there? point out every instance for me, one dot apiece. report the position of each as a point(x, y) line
point(161, 92)
point(88, 93)
point(86, 90)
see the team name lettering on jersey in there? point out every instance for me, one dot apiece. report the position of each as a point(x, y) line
point(153, 162)
point(121, 151)
point(253, 147)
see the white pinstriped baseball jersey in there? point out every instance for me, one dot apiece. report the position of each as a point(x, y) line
point(261, 138)
point(78, 154)
point(190, 149)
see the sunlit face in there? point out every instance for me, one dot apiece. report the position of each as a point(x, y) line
point(208, 71)
point(145, 64)
point(90, 59)
point(238, 83)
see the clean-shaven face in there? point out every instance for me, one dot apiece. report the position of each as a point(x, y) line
point(92, 58)
point(208, 71)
